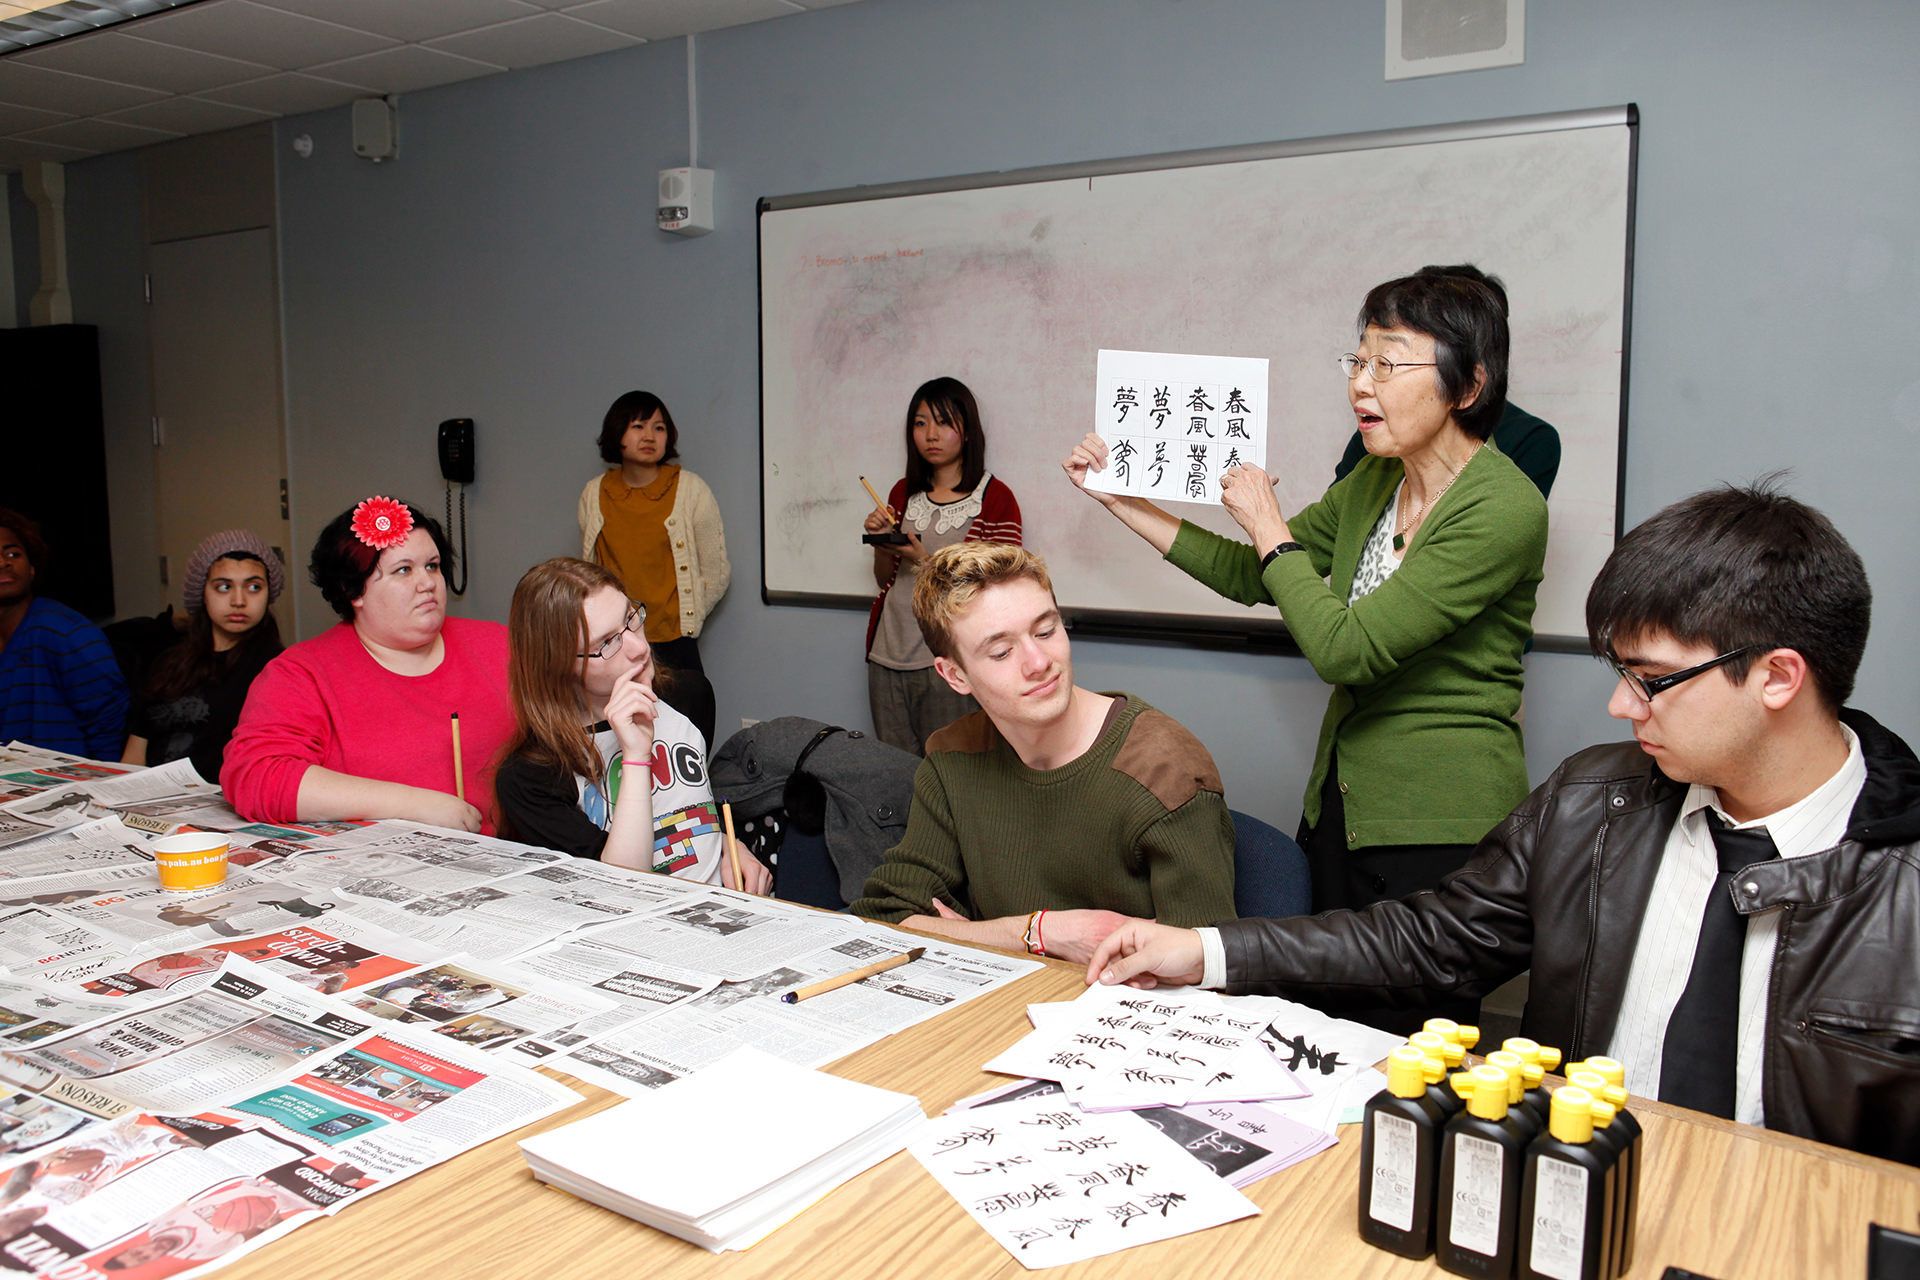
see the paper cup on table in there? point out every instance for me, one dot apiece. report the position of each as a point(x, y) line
point(191, 860)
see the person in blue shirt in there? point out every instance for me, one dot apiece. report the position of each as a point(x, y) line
point(60, 687)
point(1529, 442)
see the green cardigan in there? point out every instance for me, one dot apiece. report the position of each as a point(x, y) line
point(1426, 669)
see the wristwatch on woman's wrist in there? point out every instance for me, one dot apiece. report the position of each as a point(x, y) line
point(1277, 552)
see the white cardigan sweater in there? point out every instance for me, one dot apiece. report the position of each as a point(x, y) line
point(699, 545)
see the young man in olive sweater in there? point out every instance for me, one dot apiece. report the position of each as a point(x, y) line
point(1047, 817)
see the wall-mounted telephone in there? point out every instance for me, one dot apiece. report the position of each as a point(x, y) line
point(456, 465)
point(456, 450)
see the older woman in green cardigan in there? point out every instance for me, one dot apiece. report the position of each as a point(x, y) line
point(1409, 586)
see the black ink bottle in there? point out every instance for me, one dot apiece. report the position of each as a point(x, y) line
point(1624, 1137)
point(1452, 1057)
point(1548, 1060)
point(1566, 1194)
point(1479, 1200)
point(1400, 1158)
point(1522, 1076)
point(1460, 1033)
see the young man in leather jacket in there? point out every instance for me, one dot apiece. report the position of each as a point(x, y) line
point(1772, 978)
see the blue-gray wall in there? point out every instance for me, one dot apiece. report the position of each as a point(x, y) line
point(505, 268)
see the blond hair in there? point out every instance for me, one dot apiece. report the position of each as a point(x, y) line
point(953, 577)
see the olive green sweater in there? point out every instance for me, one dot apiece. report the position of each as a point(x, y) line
point(1426, 669)
point(1138, 824)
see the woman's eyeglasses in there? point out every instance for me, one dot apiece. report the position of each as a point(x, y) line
point(1379, 366)
point(636, 618)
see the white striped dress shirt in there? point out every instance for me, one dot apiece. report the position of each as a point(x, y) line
point(1663, 955)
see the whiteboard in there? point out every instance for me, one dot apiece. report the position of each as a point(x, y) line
point(1012, 282)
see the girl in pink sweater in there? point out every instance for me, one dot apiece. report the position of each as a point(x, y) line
point(357, 722)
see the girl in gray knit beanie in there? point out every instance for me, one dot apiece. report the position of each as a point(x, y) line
point(192, 700)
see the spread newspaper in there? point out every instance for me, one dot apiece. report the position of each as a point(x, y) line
point(185, 1078)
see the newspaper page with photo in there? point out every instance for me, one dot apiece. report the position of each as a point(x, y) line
point(730, 935)
point(42, 944)
point(178, 1195)
point(695, 1032)
point(31, 774)
point(184, 1050)
point(314, 958)
point(144, 914)
point(489, 1007)
point(639, 989)
point(98, 796)
point(103, 842)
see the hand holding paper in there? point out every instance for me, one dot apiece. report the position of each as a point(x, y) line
point(1173, 424)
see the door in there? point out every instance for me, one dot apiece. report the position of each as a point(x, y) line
point(220, 449)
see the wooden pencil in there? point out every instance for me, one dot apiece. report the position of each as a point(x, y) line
point(459, 774)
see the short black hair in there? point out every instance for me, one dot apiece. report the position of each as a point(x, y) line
point(1467, 321)
point(1467, 271)
point(27, 530)
point(341, 563)
point(631, 408)
point(950, 401)
point(1736, 568)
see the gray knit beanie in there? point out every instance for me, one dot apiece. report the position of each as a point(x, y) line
point(237, 544)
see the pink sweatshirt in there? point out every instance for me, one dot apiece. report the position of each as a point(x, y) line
point(326, 701)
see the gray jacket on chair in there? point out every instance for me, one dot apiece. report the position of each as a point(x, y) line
point(867, 787)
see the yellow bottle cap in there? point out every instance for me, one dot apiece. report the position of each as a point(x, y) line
point(1596, 1084)
point(1515, 1068)
point(1464, 1036)
point(1613, 1069)
point(1532, 1075)
point(1435, 1045)
point(1571, 1118)
point(1485, 1089)
point(1407, 1072)
point(1532, 1051)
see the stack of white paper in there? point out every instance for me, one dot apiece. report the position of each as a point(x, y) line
point(725, 1155)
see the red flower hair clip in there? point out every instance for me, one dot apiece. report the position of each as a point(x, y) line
point(382, 523)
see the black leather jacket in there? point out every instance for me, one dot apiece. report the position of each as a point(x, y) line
point(1561, 887)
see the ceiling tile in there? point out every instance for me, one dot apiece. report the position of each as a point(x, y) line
point(28, 85)
point(14, 119)
point(531, 42)
point(15, 152)
point(286, 94)
point(96, 135)
point(111, 55)
point(255, 33)
point(404, 69)
point(822, 4)
point(410, 20)
point(662, 19)
point(187, 115)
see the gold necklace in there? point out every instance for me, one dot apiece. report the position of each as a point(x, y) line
point(1400, 537)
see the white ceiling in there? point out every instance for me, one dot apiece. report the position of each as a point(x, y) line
point(216, 64)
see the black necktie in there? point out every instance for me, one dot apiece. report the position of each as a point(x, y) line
point(1700, 1059)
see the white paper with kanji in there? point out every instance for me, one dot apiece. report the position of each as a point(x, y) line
point(1174, 423)
point(1054, 1184)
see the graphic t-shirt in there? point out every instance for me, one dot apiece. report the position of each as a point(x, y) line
point(537, 808)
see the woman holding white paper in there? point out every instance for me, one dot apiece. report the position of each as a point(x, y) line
point(1409, 586)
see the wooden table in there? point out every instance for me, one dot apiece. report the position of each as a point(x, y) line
point(1717, 1198)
